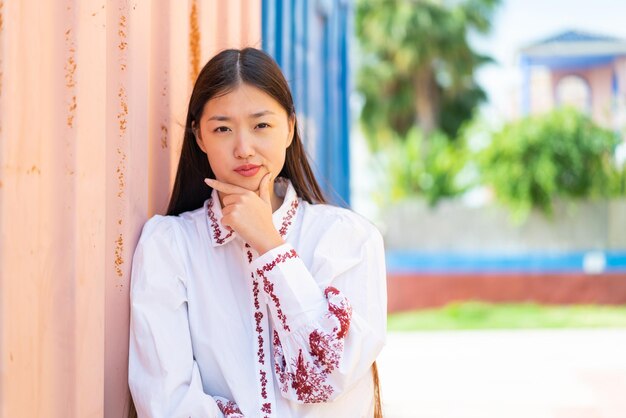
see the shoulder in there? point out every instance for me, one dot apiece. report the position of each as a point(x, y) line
point(156, 226)
point(338, 221)
point(159, 236)
point(161, 251)
point(337, 239)
point(167, 224)
point(169, 227)
point(159, 228)
point(158, 266)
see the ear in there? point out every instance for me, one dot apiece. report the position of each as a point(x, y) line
point(292, 129)
point(196, 134)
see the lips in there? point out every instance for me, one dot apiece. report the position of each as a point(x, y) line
point(248, 170)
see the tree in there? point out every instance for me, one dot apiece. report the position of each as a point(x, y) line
point(418, 66)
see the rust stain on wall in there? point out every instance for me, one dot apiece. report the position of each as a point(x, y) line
point(70, 65)
point(122, 120)
point(70, 70)
point(33, 170)
point(123, 112)
point(119, 251)
point(121, 169)
point(194, 41)
point(123, 35)
point(163, 136)
point(164, 130)
point(97, 11)
point(71, 112)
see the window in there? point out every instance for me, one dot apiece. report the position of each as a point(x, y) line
point(573, 90)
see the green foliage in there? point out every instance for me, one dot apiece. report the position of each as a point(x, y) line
point(430, 169)
point(562, 154)
point(418, 51)
point(480, 315)
point(617, 183)
point(458, 110)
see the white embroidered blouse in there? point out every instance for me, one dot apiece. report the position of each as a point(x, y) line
point(219, 331)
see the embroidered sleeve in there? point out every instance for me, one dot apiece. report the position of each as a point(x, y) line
point(228, 408)
point(163, 376)
point(308, 376)
point(321, 343)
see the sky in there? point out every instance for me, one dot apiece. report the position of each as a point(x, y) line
point(519, 23)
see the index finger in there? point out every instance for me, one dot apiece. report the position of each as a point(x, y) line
point(225, 187)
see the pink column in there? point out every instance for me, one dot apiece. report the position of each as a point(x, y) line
point(93, 98)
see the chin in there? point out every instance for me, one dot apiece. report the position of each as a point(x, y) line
point(250, 183)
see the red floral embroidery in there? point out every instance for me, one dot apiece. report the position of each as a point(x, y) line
point(280, 258)
point(268, 286)
point(258, 317)
point(287, 219)
point(264, 384)
point(255, 291)
point(308, 379)
point(340, 308)
point(269, 289)
point(326, 349)
point(249, 253)
point(280, 365)
point(229, 409)
point(308, 382)
point(217, 232)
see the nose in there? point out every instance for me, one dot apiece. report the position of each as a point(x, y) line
point(243, 146)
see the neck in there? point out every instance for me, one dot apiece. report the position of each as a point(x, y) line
point(277, 201)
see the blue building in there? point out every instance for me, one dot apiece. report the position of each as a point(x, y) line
point(580, 69)
point(310, 41)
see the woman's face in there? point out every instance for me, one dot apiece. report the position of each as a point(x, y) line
point(245, 134)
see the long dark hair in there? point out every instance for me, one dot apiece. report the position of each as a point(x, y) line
point(222, 74)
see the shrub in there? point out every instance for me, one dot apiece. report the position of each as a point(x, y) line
point(560, 154)
point(427, 168)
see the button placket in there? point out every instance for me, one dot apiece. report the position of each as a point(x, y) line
point(261, 324)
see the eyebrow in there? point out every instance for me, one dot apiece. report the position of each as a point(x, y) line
point(261, 113)
point(255, 115)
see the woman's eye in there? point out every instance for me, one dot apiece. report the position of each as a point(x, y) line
point(263, 125)
point(221, 129)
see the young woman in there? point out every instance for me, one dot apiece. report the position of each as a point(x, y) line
point(253, 297)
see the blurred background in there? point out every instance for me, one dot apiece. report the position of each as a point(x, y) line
point(493, 148)
point(489, 148)
point(485, 138)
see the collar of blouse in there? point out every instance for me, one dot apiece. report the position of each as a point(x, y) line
point(282, 217)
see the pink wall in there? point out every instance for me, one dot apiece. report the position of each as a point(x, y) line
point(92, 103)
point(599, 80)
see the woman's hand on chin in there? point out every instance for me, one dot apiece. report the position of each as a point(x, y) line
point(249, 213)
